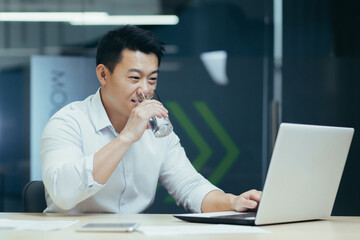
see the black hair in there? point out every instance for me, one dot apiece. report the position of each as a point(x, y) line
point(129, 37)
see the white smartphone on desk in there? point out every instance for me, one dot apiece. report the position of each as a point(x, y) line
point(108, 227)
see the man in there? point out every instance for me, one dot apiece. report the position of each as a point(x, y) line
point(99, 155)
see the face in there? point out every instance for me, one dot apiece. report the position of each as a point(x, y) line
point(136, 72)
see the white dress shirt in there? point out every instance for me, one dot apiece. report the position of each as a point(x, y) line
point(72, 137)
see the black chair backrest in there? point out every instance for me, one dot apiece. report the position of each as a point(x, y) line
point(33, 197)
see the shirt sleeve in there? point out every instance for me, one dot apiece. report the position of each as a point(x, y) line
point(66, 172)
point(182, 181)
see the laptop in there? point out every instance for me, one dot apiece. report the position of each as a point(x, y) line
point(302, 180)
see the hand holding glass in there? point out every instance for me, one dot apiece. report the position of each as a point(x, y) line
point(161, 127)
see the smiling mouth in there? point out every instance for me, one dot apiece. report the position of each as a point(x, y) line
point(136, 100)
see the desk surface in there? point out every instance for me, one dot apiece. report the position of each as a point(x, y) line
point(343, 228)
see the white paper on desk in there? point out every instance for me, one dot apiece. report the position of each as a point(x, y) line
point(9, 224)
point(200, 229)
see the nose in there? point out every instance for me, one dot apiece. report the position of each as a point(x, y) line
point(145, 88)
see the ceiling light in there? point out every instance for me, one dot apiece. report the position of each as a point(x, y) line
point(50, 16)
point(88, 18)
point(131, 19)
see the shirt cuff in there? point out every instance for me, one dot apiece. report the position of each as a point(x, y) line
point(198, 194)
point(86, 173)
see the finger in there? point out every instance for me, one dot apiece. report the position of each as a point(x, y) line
point(163, 110)
point(158, 110)
point(162, 114)
point(249, 204)
point(152, 104)
point(255, 195)
point(157, 103)
point(241, 204)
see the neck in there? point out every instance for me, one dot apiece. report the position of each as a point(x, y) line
point(117, 121)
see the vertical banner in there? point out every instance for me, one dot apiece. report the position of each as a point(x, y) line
point(55, 82)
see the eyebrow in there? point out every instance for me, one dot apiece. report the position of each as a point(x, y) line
point(141, 72)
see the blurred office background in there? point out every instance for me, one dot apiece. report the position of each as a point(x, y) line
point(233, 70)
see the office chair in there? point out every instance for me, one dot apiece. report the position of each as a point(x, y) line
point(33, 197)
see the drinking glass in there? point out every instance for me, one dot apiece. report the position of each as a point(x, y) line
point(161, 127)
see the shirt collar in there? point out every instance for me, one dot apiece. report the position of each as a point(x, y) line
point(98, 114)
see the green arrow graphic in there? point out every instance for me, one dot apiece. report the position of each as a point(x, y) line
point(232, 150)
point(204, 149)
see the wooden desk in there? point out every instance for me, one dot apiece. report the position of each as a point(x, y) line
point(342, 228)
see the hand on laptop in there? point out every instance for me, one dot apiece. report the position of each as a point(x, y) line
point(217, 201)
point(247, 200)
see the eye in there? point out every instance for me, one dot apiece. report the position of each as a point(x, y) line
point(134, 78)
point(152, 80)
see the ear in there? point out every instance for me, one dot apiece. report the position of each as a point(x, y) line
point(102, 74)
